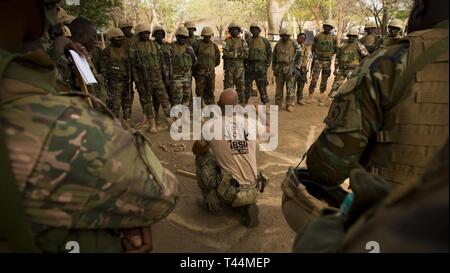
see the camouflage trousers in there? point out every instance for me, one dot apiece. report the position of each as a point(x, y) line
point(234, 77)
point(341, 76)
point(127, 100)
point(300, 82)
point(117, 90)
point(323, 66)
point(284, 80)
point(205, 84)
point(182, 88)
point(146, 91)
point(260, 77)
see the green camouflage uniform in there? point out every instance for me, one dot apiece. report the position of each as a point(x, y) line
point(283, 56)
point(193, 40)
point(370, 41)
point(71, 163)
point(235, 51)
point(366, 125)
point(259, 59)
point(323, 48)
point(116, 68)
point(153, 60)
point(348, 57)
point(208, 56)
point(302, 78)
point(96, 57)
point(127, 99)
point(182, 63)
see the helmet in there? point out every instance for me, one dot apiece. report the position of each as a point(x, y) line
point(207, 31)
point(158, 28)
point(233, 25)
point(114, 33)
point(125, 23)
point(370, 25)
point(303, 199)
point(142, 28)
point(189, 25)
point(284, 31)
point(329, 23)
point(66, 32)
point(396, 23)
point(182, 31)
point(254, 24)
point(353, 32)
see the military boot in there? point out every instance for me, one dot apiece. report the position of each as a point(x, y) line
point(250, 215)
point(290, 108)
point(152, 126)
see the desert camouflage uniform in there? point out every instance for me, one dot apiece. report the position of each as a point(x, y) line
point(152, 58)
point(181, 81)
point(235, 51)
point(259, 59)
point(367, 126)
point(283, 56)
point(370, 41)
point(348, 57)
point(208, 56)
point(116, 68)
point(71, 163)
point(323, 48)
point(302, 78)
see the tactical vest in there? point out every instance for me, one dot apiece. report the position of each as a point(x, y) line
point(349, 55)
point(285, 52)
point(118, 65)
point(369, 40)
point(388, 41)
point(235, 44)
point(181, 61)
point(303, 61)
point(206, 55)
point(257, 49)
point(325, 45)
point(416, 127)
point(150, 54)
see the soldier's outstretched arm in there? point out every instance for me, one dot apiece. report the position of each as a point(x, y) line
point(355, 117)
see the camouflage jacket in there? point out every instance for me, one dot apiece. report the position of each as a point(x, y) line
point(72, 163)
point(357, 115)
point(235, 51)
point(370, 41)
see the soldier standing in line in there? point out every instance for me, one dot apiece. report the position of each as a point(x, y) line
point(285, 54)
point(148, 70)
point(348, 57)
point(235, 51)
point(302, 66)
point(395, 28)
point(259, 59)
point(193, 39)
point(208, 55)
point(323, 49)
point(182, 58)
point(370, 41)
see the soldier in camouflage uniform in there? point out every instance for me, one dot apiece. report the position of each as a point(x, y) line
point(116, 68)
point(348, 57)
point(370, 41)
point(323, 49)
point(193, 39)
point(130, 40)
point(391, 116)
point(148, 70)
point(302, 67)
point(259, 59)
point(70, 162)
point(395, 28)
point(208, 56)
point(235, 51)
point(285, 53)
point(182, 59)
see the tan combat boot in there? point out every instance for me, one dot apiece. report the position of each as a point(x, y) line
point(290, 108)
point(152, 126)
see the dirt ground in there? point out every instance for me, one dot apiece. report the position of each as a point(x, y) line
point(191, 229)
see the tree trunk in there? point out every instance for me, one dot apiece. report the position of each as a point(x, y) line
point(386, 11)
point(275, 14)
point(341, 16)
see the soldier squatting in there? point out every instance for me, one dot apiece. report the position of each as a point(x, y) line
point(67, 146)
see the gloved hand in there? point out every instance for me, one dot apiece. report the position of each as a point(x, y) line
point(213, 201)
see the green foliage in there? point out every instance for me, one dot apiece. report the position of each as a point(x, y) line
point(94, 10)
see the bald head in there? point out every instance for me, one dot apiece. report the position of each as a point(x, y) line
point(228, 97)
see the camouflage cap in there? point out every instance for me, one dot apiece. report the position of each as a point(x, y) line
point(182, 31)
point(396, 23)
point(125, 23)
point(142, 28)
point(233, 25)
point(207, 31)
point(114, 33)
point(189, 25)
point(370, 25)
point(284, 32)
point(254, 24)
point(329, 23)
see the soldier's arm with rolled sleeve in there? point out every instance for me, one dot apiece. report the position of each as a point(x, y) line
point(344, 141)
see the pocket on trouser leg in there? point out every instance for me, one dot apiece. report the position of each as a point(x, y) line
point(245, 197)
